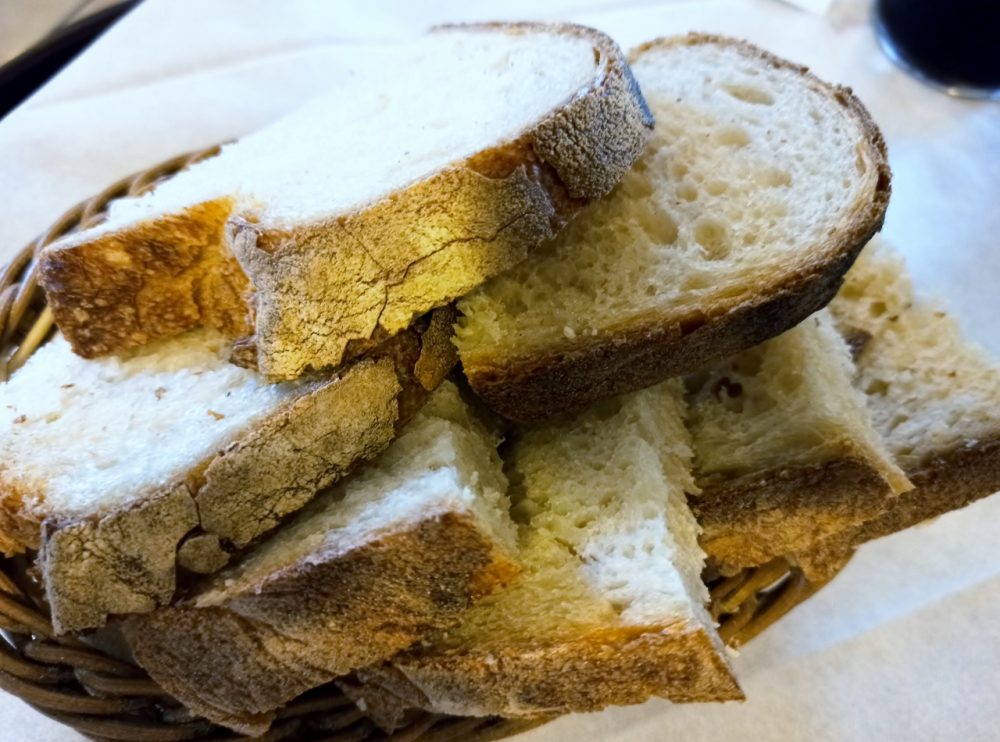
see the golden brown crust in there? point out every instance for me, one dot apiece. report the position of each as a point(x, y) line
point(124, 561)
point(20, 524)
point(331, 612)
point(567, 376)
point(947, 481)
point(681, 662)
point(484, 214)
point(154, 279)
point(438, 354)
point(322, 289)
point(747, 521)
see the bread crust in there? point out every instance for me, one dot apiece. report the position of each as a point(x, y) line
point(313, 292)
point(747, 521)
point(263, 643)
point(439, 239)
point(116, 290)
point(680, 661)
point(947, 481)
point(532, 386)
point(314, 441)
point(124, 561)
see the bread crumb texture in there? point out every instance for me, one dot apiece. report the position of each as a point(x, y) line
point(745, 167)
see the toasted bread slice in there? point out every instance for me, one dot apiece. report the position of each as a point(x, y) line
point(609, 607)
point(934, 398)
point(390, 554)
point(119, 470)
point(785, 451)
point(443, 165)
point(757, 191)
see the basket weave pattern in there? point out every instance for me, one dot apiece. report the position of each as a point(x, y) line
point(107, 699)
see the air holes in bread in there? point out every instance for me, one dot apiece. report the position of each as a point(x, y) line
point(729, 393)
point(897, 421)
point(732, 136)
point(712, 237)
point(517, 306)
point(877, 386)
point(687, 192)
point(774, 177)
point(859, 162)
point(658, 224)
point(750, 94)
point(638, 188)
point(696, 281)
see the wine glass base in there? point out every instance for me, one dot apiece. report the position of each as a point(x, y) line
point(949, 88)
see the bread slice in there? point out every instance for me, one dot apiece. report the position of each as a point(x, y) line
point(405, 187)
point(759, 187)
point(785, 451)
point(934, 397)
point(609, 607)
point(119, 470)
point(392, 553)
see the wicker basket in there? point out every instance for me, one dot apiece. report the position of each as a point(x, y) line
point(104, 698)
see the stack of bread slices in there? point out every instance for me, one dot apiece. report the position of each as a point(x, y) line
point(451, 386)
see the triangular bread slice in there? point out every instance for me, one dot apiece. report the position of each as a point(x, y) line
point(442, 164)
point(390, 554)
point(784, 448)
point(609, 608)
point(760, 185)
point(933, 394)
point(121, 469)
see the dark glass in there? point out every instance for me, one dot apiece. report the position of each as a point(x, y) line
point(952, 43)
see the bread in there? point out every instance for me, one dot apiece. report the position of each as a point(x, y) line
point(337, 226)
point(119, 469)
point(759, 187)
point(390, 554)
point(934, 397)
point(784, 448)
point(609, 607)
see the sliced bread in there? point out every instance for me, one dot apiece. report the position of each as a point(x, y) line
point(609, 607)
point(340, 224)
point(118, 470)
point(934, 397)
point(784, 449)
point(760, 185)
point(390, 554)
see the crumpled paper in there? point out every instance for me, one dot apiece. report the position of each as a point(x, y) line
point(905, 643)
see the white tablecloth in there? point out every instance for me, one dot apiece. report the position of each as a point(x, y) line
point(905, 644)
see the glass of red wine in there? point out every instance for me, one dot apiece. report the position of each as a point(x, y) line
point(953, 45)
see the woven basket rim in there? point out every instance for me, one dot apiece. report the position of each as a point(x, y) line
point(105, 698)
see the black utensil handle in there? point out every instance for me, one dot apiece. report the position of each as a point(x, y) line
point(28, 71)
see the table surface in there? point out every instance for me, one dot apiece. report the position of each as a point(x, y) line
point(904, 644)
